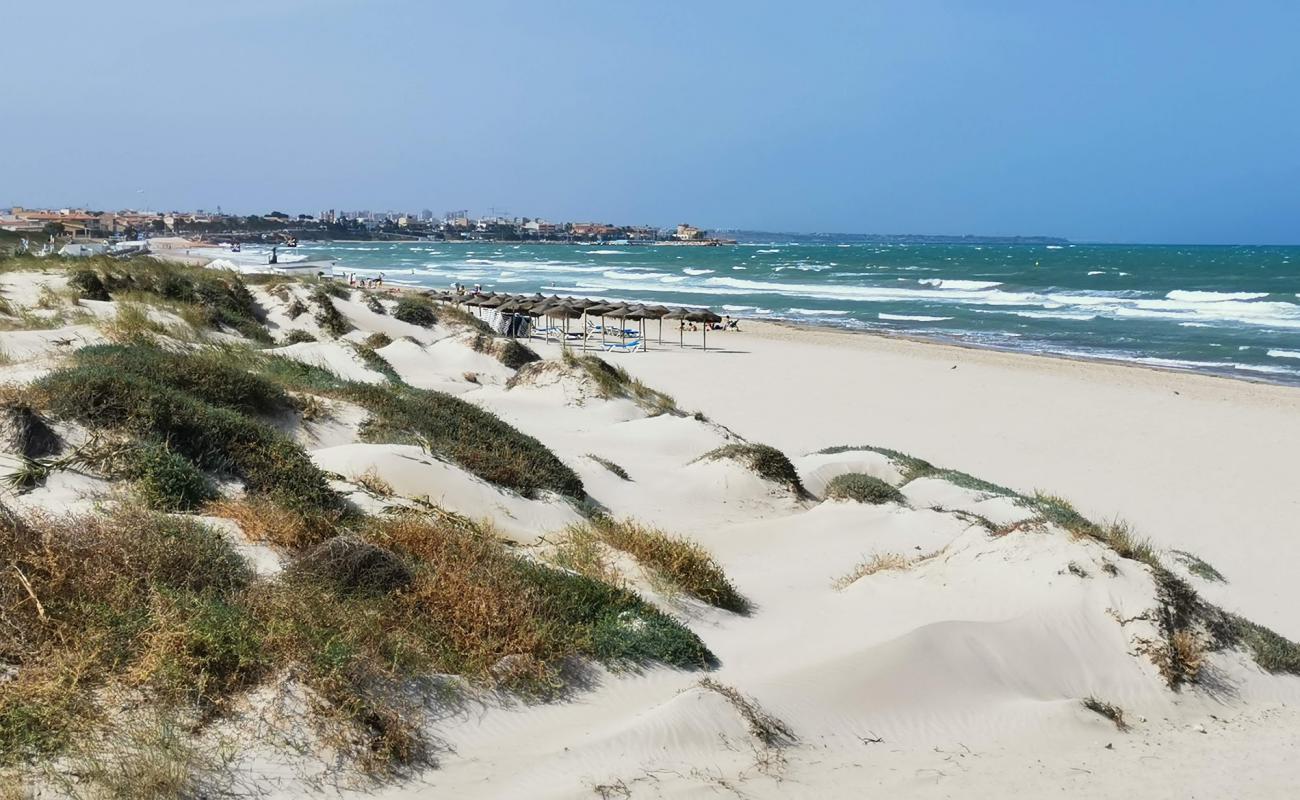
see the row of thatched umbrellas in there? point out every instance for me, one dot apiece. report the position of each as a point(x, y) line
point(568, 308)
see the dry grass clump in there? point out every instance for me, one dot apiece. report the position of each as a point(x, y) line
point(879, 562)
point(582, 550)
point(1108, 710)
point(614, 381)
point(373, 482)
point(611, 466)
point(91, 607)
point(681, 564)
point(862, 488)
point(766, 461)
point(221, 298)
point(127, 599)
point(377, 340)
point(131, 323)
point(262, 520)
point(298, 336)
point(455, 315)
point(767, 729)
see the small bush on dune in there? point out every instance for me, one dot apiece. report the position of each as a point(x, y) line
point(88, 284)
point(328, 317)
point(298, 336)
point(614, 381)
point(125, 597)
point(223, 294)
point(165, 481)
point(377, 340)
point(768, 462)
point(455, 315)
point(611, 466)
point(376, 362)
point(514, 354)
point(415, 310)
point(296, 308)
point(862, 488)
point(477, 440)
point(215, 376)
point(351, 566)
point(212, 437)
point(682, 564)
point(375, 305)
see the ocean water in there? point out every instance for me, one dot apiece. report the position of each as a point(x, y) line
point(1226, 310)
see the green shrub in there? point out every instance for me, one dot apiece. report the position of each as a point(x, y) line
point(88, 283)
point(377, 362)
point(473, 438)
point(223, 294)
point(375, 305)
point(514, 354)
point(211, 375)
point(768, 462)
point(165, 481)
point(614, 381)
point(377, 340)
point(328, 317)
point(863, 489)
point(212, 437)
point(297, 336)
point(415, 310)
point(296, 308)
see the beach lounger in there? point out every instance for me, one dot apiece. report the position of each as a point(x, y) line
point(627, 347)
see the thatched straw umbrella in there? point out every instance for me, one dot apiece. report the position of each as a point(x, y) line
point(658, 312)
point(566, 312)
point(706, 317)
point(600, 310)
point(679, 314)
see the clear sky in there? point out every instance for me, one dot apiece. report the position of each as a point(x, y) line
point(1114, 121)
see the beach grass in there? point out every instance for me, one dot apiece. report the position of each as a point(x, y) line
point(862, 488)
point(680, 564)
point(766, 461)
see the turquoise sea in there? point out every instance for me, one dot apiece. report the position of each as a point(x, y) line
point(1227, 310)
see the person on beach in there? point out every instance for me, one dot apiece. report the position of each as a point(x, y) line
point(379, 281)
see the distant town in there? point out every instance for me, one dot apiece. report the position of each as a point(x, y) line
point(76, 223)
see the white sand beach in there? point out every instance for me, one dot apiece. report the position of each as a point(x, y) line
point(940, 644)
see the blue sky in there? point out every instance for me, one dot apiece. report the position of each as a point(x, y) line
point(1112, 121)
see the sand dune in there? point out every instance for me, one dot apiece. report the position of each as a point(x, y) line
point(942, 643)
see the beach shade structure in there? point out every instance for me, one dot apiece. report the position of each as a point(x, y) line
point(620, 312)
point(599, 310)
point(707, 318)
point(658, 312)
point(680, 314)
point(565, 312)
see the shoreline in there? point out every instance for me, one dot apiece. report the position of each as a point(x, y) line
point(882, 334)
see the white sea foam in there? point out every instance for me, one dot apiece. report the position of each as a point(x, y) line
point(1097, 272)
point(912, 318)
point(1211, 297)
point(946, 283)
point(1284, 353)
point(1053, 247)
point(767, 251)
point(607, 252)
point(619, 275)
point(690, 271)
point(817, 312)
